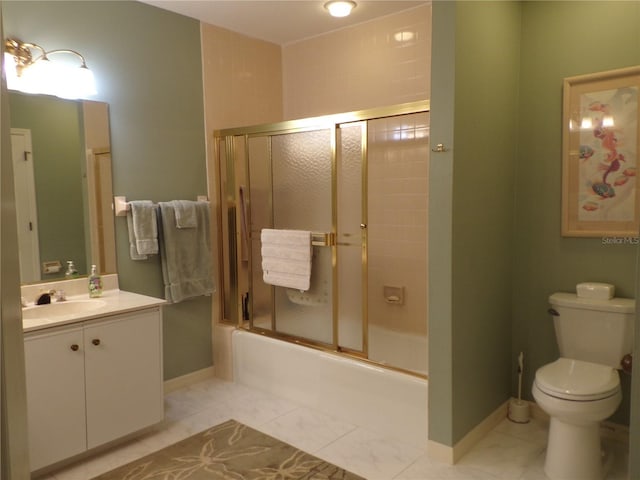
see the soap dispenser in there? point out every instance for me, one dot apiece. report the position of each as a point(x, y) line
point(71, 271)
point(95, 283)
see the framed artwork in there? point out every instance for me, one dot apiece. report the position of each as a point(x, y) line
point(601, 142)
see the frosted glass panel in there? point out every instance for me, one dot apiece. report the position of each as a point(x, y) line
point(302, 180)
point(301, 173)
point(398, 165)
point(350, 240)
point(260, 216)
point(369, 189)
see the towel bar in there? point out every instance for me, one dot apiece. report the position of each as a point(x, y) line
point(322, 239)
point(318, 239)
point(121, 206)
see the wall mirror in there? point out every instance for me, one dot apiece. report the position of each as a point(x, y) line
point(62, 171)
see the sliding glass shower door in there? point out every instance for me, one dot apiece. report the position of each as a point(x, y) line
point(298, 174)
point(359, 185)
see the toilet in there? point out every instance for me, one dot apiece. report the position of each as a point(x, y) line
point(594, 330)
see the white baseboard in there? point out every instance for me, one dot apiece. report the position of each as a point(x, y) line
point(451, 455)
point(177, 383)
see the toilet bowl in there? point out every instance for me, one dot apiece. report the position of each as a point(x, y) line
point(594, 331)
point(577, 395)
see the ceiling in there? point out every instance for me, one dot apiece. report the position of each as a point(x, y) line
point(280, 22)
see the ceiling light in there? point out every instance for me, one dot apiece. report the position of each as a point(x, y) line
point(40, 74)
point(404, 36)
point(340, 8)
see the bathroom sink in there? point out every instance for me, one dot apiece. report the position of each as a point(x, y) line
point(61, 309)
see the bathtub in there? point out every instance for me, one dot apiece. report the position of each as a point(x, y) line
point(386, 401)
point(398, 349)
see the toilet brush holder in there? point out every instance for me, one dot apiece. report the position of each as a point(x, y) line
point(518, 411)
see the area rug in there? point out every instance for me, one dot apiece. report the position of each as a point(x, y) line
point(229, 451)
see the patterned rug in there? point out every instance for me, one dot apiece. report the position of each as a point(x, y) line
point(229, 451)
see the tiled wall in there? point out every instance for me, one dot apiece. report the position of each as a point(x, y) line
point(242, 79)
point(360, 67)
point(242, 82)
point(247, 82)
point(397, 176)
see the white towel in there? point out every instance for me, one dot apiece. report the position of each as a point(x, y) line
point(286, 258)
point(145, 226)
point(185, 213)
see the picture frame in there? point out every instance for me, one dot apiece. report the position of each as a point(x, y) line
point(600, 148)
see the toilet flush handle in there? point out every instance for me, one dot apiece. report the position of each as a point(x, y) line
point(554, 312)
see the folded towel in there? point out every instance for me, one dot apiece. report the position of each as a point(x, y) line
point(185, 254)
point(185, 213)
point(145, 226)
point(286, 258)
point(133, 250)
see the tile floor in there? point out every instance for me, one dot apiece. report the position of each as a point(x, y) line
point(510, 451)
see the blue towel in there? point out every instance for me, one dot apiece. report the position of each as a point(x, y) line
point(185, 213)
point(185, 253)
point(145, 227)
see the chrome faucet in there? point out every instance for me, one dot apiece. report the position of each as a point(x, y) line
point(59, 295)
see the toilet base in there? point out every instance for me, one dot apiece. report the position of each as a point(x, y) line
point(574, 451)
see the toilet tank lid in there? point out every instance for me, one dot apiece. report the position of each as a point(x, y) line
point(618, 305)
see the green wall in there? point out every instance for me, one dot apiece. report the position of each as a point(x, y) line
point(148, 68)
point(58, 156)
point(440, 225)
point(497, 71)
point(486, 108)
point(476, 52)
point(556, 44)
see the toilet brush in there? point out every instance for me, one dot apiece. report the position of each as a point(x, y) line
point(519, 409)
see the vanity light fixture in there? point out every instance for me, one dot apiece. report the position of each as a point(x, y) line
point(340, 8)
point(29, 69)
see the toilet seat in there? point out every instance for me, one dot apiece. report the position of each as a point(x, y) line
point(577, 380)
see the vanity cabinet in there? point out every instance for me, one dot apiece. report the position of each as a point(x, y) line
point(91, 383)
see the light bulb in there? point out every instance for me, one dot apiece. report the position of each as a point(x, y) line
point(340, 8)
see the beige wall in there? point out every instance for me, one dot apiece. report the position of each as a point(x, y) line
point(398, 157)
point(248, 82)
point(242, 79)
point(242, 83)
point(359, 67)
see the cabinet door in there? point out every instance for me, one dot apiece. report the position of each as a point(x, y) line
point(55, 395)
point(123, 362)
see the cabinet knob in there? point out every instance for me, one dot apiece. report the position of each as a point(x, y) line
point(75, 347)
point(96, 341)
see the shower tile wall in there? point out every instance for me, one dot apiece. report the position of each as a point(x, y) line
point(360, 67)
point(249, 90)
point(398, 181)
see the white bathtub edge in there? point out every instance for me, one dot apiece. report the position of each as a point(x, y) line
point(386, 401)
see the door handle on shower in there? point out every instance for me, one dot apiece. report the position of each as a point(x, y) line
point(323, 239)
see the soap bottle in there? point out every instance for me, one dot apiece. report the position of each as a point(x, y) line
point(95, 283)
point(71, 271)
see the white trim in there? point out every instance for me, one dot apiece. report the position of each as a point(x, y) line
point(177, 383)
point(451, 455)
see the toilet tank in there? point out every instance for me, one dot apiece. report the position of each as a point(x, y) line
point(593, 330)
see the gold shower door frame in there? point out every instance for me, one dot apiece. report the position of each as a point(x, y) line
point(227, 143)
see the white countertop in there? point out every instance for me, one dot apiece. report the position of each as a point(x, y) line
point(111, 302)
